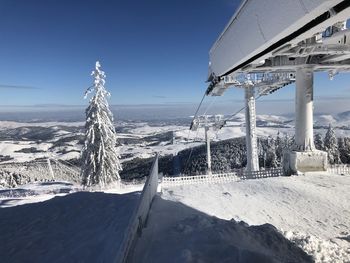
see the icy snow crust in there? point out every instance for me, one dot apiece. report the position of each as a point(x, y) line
point(312, 211)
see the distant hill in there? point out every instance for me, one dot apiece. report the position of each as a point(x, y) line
point(344, 116)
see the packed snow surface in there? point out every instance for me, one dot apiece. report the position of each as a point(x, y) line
point(35, 192)
point(42, 191)
point(312, 211)
point(78, 227)
point(261, 220)
point(178, 233)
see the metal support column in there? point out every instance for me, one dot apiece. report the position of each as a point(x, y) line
point(207, 139)
point(304, 134)
point(251, 139)
point(304, 157)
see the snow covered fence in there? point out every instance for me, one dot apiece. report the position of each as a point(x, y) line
point(272, 172)
point(222, 177)
point(181, 180)
point(339, 169)
point(140, 215)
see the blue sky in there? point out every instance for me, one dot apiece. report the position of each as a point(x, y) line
point(153, 52)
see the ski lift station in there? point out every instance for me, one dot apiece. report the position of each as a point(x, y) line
point(270, 44)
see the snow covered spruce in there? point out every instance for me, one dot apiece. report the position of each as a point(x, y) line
point(100, 159)
point(331, 145)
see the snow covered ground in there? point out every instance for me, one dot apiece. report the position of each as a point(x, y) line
point(58, 222)
point(188, 223)
point(35, 192)
point(178, 233)
point(42, 191)
point(311, 210)
point(261, 220)
point(140, 139)
point(13, 149)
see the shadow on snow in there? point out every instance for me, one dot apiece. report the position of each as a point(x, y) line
point(79, 227)
point(178, 233)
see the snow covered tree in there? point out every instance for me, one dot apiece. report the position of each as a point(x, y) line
point(271, 157)
point(288, 142)
point(319, 144)
point(344, 149)
point(261, 153)
point(279, 148)
point(331, 146)
point(100, 159)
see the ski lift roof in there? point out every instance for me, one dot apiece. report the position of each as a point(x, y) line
point(260, 27)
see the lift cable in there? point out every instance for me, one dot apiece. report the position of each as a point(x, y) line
point(190, 155)
point(194, 117)
point(234, 114)
point(199, 106)
point(210, 105)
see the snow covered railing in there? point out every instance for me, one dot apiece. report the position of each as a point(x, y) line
point(339, 169)
point(222, 177)
point(140, 215)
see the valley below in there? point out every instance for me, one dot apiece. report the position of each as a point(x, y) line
point(25, 147)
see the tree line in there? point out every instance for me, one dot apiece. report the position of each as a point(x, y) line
point(231, 154)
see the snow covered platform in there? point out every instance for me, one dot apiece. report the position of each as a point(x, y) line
point(76, 227)
point(311, 211)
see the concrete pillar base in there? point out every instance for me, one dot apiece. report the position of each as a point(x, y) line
point(295, 162)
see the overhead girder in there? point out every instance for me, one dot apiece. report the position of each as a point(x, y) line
point(313, 34)
point(256, 31)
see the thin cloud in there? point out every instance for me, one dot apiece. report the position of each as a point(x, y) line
point(316, 98)
point(168, 98)
point(3, 86)
point(275, 100)
point(336, 97)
